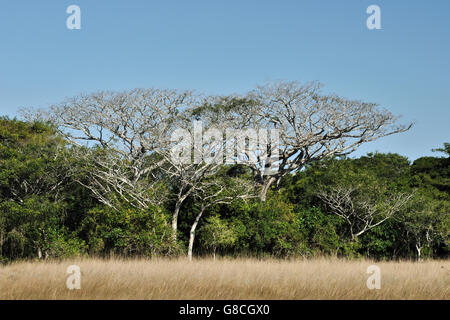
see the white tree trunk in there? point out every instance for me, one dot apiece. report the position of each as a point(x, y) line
point(419, 252)
point(175, 220)
point(192, 234)
point(265, 188)
point(180, 200)
point(191, 244)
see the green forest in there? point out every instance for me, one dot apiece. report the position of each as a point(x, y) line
point(45, 212)
point(106, 174)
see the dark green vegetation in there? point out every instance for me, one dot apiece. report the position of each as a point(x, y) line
point(45, 212)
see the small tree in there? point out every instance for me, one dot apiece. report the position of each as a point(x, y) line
point(426, 222)
point(363, 208)
point(221, 190)
point(217, 233)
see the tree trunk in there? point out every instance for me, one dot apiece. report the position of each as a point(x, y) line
point(419, 250)
point(265, 188)
point(191, 244)
point(192, 233)
point(214, 253)
point(175, 219)
point(180, 200)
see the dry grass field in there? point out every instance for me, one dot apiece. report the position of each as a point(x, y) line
point(225, 279)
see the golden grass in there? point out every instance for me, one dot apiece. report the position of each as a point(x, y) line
point(225, 279)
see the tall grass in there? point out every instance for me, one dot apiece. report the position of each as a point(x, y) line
point(225, 279)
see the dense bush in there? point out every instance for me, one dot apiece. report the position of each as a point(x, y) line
point(46, 212)
point(127, 232)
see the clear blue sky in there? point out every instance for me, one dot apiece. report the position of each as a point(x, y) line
point(229, 47)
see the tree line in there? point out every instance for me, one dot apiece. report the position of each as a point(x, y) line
point(101, 175)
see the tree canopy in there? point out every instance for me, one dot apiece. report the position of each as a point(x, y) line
point(96, 175)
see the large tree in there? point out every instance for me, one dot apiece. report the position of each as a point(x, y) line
point(141, 147)
point(124, 141)
point(35, 192)
point(307, 125)
point(124, 132)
